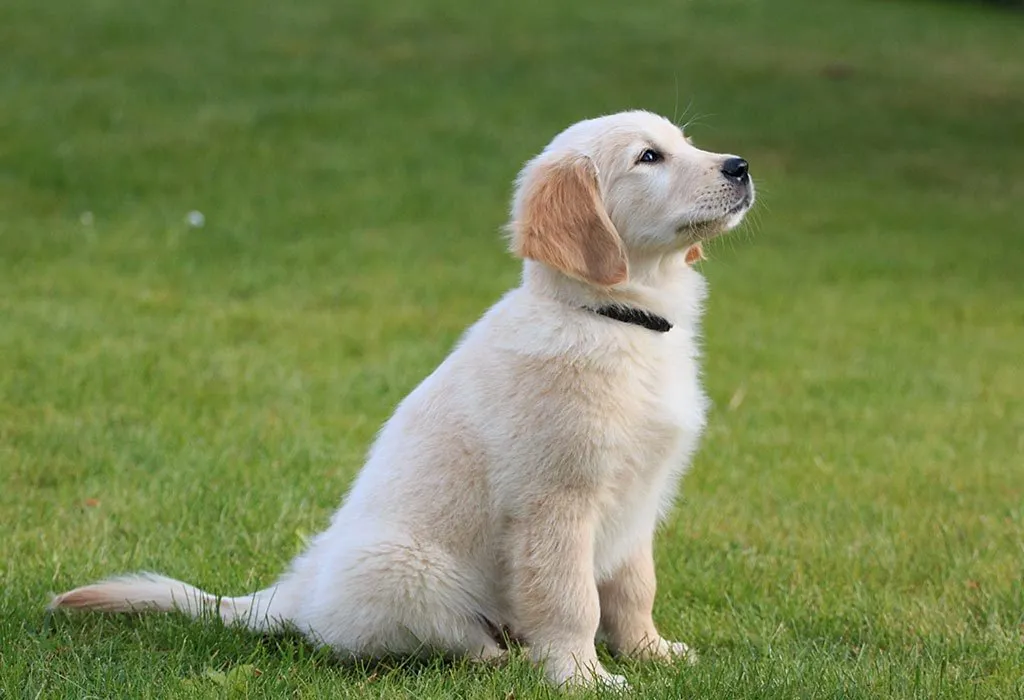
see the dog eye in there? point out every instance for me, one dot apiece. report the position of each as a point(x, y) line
point(650, 156)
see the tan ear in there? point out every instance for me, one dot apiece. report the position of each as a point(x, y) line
point(694, 254)
point(561, 221)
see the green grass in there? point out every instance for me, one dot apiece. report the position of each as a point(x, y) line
point(195, 401)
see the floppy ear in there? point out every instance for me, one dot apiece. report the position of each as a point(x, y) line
point(561, 221)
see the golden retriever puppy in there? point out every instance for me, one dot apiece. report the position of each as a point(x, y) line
point(517, 489)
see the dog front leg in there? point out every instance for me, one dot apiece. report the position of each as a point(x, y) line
point(627, 600)
point(553, 592)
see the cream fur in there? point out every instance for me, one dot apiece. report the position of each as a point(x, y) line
point(519, 486)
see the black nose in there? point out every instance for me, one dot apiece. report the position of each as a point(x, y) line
point(735, 168)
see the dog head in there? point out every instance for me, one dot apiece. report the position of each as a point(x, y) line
point(622, 187)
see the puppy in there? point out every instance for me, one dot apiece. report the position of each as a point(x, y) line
point(517, 489)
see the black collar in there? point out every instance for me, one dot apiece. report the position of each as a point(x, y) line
point(638, 317)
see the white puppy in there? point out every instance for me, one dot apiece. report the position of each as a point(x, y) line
point(517, 489)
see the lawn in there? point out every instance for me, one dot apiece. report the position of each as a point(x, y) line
point(195, 400)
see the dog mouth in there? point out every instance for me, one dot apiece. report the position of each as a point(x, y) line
point(742, 205)
point(716, 224)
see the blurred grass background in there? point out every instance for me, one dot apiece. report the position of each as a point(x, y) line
point(195, 400)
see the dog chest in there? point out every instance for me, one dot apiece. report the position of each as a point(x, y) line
point(647, 454)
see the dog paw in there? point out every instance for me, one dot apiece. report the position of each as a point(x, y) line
point(602, 679)
point(591, 678)
point(613, 681)
point(490, 656)
point(678, 651)
point(663, 650)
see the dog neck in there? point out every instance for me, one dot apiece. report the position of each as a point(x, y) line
point(665, 285)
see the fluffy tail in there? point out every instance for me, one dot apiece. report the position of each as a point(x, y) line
point(146, 592)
